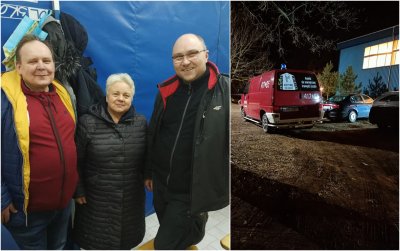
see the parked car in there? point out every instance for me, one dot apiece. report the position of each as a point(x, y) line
point(385, 110)
point(347, 107)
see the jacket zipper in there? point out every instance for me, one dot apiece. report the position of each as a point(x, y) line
point(121, 138)
point(59, 145)
point(207, 104)
point(179, 132)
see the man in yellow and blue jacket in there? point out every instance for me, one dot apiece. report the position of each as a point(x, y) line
point(38, 153)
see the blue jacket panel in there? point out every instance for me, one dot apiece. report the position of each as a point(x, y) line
point(11, 162)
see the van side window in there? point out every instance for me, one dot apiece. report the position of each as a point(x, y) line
point(297, 81)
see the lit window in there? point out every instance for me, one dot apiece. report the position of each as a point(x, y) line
point(388, 58)
point(372, 61)
point(374, 50)
point(385, 47)
point(365, 63)
point(366, 52)
point(396, 56)
point(380, 55)
point(381, 60)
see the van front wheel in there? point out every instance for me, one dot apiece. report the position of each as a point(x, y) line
point(265, 124)
point(243, 114)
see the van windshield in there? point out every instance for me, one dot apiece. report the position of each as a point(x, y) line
point(295, 81)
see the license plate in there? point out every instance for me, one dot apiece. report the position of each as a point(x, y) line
point(309, 95)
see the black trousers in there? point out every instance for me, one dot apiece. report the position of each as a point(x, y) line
point(178, 228)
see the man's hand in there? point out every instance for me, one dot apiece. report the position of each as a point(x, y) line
point(6, 213)
point(148, 183)
point(80, 200)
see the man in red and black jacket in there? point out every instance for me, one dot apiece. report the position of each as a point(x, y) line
point(188, 158)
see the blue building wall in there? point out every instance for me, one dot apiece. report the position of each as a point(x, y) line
point(354, 56)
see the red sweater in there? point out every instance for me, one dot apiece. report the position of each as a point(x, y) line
point(52, 151)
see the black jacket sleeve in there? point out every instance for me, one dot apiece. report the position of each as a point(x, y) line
point(151, 132)
point(81, 138)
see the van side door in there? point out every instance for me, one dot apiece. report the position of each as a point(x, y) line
point(253, 98)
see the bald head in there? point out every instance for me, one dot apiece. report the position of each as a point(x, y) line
point(189, 38)
point(190, 56)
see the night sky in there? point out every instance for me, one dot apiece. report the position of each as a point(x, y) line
point(374, 16)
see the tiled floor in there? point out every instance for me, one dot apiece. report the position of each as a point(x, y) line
point(218, 225)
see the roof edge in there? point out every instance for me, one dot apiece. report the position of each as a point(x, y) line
point(390, 31)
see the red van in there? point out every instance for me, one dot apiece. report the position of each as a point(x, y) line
point(282, 99)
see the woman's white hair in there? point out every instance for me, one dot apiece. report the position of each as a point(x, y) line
point(120, 77)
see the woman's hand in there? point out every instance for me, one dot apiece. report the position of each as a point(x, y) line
point(148, 183)
point(80, 200)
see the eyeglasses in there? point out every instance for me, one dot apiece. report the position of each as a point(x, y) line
point(191, 55)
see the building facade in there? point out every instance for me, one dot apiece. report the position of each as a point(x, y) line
point(373, 56)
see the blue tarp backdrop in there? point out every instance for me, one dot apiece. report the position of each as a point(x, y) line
point(135, 38)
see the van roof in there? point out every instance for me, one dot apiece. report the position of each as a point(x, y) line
point(283, 70)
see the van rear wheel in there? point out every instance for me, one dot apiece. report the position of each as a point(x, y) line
point(265, 124)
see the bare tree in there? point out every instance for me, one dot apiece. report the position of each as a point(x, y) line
point(293, 22)
point(249, 52)
point(265, 28)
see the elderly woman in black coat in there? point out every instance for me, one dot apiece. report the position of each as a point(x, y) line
point(111, 145)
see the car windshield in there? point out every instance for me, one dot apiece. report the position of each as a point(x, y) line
point(336, 98)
